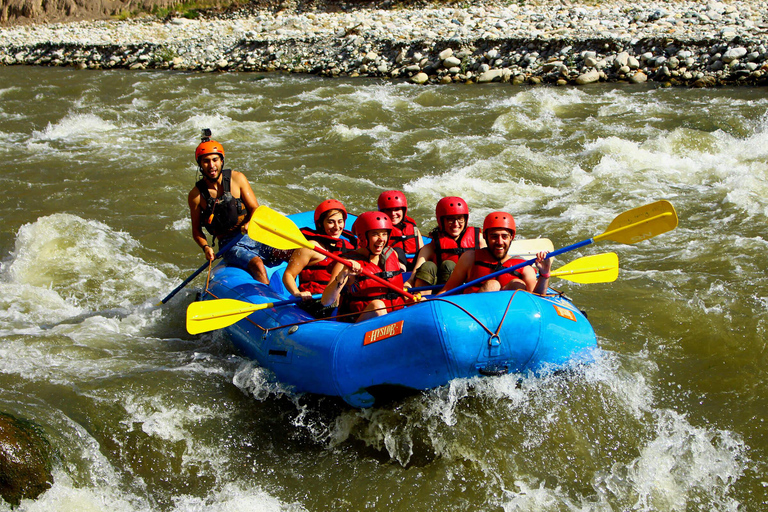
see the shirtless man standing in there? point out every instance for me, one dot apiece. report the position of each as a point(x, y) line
point(223, 202)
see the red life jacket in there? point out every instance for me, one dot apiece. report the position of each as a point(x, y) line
point(404, 236)
point(314, 278)
point(486, 263)
point(356, 297)
point(446, 248)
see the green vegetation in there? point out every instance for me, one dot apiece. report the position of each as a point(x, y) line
point(124, 15)
point(166, 54)
point(190, 9)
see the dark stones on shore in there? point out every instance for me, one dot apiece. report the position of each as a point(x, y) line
point(25, 460)
point(514, 61)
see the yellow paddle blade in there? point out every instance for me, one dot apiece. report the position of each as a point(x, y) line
point(527, 249)
point(209, 315)
point(599, 268)
point(276, 230)
point(641, 223)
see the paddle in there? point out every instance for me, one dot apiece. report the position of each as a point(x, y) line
point(527, 248)
point(598, 268)
point(209, 315)
point(202, 267)
point(630, 227)
point(278, 231)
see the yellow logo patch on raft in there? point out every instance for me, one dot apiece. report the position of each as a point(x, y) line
point(565, 313)
point(383, 333)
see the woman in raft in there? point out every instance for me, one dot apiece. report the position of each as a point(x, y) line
point(312, 268)
point(353, 291)
point(450, 239)
point(405, 237)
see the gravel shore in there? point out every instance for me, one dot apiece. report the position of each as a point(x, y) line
point(679, 43)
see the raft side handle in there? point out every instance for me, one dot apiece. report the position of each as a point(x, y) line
point(494, 345)
point(493, 370)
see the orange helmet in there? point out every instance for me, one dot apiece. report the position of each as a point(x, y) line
point(393, 199)
point(499, 220)
point(209, 147)
point(329, 204)
point(369, 221)
point(451, 205)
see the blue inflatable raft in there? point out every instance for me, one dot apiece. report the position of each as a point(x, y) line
point(419, 347)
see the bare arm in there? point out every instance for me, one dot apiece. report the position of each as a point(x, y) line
point(425, 254)
point(195, 201)
point(339, 277)
point(246, 194)
point(419, 240)
point(299, 260)
point(544, 266)
point(529, 278)
point(482, 241)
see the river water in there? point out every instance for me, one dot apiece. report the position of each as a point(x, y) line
point(143, 416)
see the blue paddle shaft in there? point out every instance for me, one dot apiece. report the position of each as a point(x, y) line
point(294, 300)
point(515, 267)
point(202, 267)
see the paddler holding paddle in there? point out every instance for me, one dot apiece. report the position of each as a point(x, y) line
point(312, 268)
point(499, 230)
point(223, 202)
point(354, 291)
point(452, 237)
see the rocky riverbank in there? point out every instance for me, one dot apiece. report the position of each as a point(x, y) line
point(677, 43)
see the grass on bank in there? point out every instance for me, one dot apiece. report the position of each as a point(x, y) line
point(191, 9)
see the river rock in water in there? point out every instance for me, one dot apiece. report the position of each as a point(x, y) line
point(24, 460)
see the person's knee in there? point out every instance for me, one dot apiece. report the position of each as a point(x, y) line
point(491, 285)
point(515, 284)
point(257, 270)
point(427, 273)
point(256, 263)
point(375, 308)
point(445, 271)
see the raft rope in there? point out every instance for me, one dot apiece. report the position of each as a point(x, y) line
point(481, 324)
point(343, 315)
point(503, 318)
point(491, 334)
point(208, 279)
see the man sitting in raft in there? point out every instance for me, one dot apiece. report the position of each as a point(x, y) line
point(405, 234)
point(450, 239)
point(223, 202)
point(356, 293)
point(499, 231)
point(313, 268)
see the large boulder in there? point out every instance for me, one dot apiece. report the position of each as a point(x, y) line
point(25, 461)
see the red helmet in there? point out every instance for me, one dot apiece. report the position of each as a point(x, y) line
point(393, 199)
point(369, 221)
point(208, 148)
point(496, 220)
point(329, 204)
point(451, 205)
